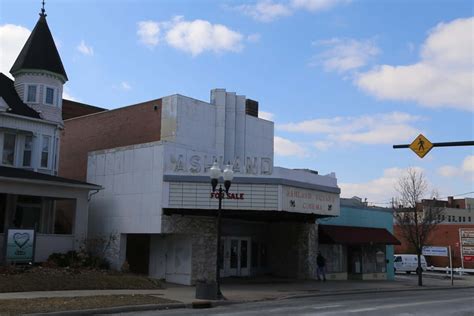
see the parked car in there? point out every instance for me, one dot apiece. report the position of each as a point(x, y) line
point(408, 263)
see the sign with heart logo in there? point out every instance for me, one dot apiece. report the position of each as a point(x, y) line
point(21, 239)
point(20, 245)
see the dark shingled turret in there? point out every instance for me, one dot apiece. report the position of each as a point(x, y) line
point(40, 52)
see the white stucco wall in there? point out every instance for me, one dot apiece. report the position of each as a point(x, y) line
point(132, 179)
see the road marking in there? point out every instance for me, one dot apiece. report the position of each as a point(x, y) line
point(326, 306)
point(368, 309)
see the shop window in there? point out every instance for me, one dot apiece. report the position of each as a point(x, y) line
point(334, 256)
point(31, 97)
point(254, 257)
point(45, 151)
point(28, 146)
point(8, 154)
point(263, 255)
point(3, 211)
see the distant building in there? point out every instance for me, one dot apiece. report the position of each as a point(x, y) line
point(456, 214)
point(32, 196)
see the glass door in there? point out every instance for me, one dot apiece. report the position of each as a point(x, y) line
point(236, 261)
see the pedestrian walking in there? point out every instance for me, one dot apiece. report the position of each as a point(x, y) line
point(321, 270)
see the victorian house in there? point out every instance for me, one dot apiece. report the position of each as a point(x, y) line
point(32, 196)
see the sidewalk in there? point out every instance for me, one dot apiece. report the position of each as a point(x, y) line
point(247, 290)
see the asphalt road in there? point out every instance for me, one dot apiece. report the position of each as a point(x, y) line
point(432, 302)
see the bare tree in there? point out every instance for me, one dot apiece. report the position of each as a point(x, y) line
point(415, 219)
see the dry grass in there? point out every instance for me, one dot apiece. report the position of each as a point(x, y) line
point(58, 279)
point(44, 305)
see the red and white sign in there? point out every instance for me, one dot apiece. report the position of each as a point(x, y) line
point(466, 240)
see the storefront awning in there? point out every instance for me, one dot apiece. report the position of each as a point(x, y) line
point(349, 235)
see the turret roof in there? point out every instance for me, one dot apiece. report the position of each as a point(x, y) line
point(40, 52)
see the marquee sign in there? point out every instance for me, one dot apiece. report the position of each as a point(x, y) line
point(310, 201)
point(199, 163)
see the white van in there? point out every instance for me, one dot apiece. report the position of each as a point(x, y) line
point(408, 263)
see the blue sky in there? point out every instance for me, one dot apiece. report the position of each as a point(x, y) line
point(342, 80)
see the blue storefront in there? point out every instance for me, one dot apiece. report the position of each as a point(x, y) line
point(358, 244)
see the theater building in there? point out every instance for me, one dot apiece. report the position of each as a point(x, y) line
point(32, 196)
point(153, 160)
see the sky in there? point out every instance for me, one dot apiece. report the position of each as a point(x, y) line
point(343, 80)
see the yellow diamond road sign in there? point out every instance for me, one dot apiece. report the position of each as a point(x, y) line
point(421, 145)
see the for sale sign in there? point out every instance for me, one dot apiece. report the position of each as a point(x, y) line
point(466, 241)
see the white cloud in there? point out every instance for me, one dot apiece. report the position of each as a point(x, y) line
point(125, 86)
point(84, 49)
point(266, 115)
point(194, 37)
point(285, 147)
point(12, 39)
point(269, 10)
point(448, 171)
point(316, 5)
point(67, 95)
point(344, 54)
point(198, 36)
point(442, 77)
point(384, 128)
point(468, 164)
point(148, 33)
point(265, 11)
point(254, 38)
point(466, 169)
point(381, 189)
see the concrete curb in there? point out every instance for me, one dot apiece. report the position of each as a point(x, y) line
point(364, 291)
point(111, 310)
point(150, 307)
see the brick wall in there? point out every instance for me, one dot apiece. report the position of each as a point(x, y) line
point(135, 124)
point(443, 235)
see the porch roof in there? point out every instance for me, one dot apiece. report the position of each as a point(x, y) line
point(22, 175)
point(350, 235)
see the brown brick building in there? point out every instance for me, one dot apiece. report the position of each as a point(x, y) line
point(134, 124)
point(443, 235)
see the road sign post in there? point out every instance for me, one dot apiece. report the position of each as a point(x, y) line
point(421, 145)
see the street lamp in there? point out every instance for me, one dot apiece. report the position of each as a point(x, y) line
point(228, 175)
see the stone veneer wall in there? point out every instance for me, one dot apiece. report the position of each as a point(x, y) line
point(203, 235)
point(292, 249)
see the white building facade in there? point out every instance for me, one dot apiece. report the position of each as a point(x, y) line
point(32, 196)
point(157, 197)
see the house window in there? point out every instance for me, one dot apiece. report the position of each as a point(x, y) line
point(31, 97)
point(8, 155)
point(469, 218)
point(45, 151)
point(464, 218)
point(49, 97)
point(449, 218)
point(443, 217)
point(459, 218)
point(27, 151)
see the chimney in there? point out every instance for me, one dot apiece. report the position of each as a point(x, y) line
point(450, 201)
point(251, 107)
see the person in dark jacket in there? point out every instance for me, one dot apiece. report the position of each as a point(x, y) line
point(321, 270)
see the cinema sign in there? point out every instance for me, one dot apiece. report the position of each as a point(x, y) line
point(197, 163)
